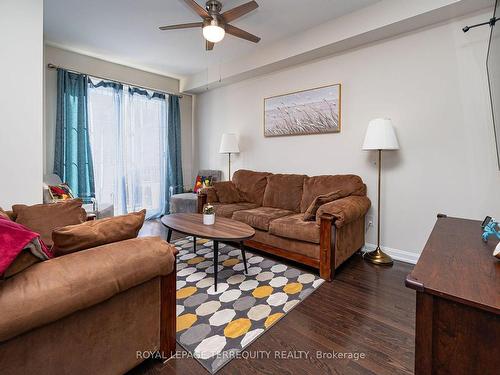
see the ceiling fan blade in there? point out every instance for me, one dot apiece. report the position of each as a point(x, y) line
point(209, 45)
point(197, 8)
point(182, 26)
point(230, 29)
point(239, 11)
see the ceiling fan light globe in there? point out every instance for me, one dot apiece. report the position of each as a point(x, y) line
point(213, 33)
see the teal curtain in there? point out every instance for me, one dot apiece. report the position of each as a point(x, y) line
point(73, 157)
point(174, 161)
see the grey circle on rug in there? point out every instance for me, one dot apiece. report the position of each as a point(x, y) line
point(244, 303)
point(195, 334)
point(292, 273)
point(225, 274)
point(195, 300)
point(267, 263)
point(205, 264)
point(181, 266)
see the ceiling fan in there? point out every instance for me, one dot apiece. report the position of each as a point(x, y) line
point(215, 24)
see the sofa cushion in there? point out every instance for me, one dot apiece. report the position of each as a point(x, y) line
point(260, 217)
point(319, 185)
point(227, 192)
point(295, 227)
point(284, 191)
point(94, 233)
point(251, 185)
point(44, 218)
point(53, 289)
point(227, 209)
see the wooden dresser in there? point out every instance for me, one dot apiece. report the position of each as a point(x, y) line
point(458, 301)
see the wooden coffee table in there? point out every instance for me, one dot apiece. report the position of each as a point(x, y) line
point(224, 230)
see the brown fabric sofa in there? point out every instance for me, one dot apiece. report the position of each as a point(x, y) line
point(90, 312)
point(274, 205)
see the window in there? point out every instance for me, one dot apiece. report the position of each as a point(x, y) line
point(127, 129)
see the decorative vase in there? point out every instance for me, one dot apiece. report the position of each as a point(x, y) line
point(209, 219)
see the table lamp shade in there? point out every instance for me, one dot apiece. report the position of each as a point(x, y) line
point(229, 144)
point(380, 135)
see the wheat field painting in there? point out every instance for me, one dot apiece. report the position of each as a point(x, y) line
point(312, 111)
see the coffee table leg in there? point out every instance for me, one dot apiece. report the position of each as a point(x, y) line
point(216, 262)
point(169, 235)
point(194, 244)
point(243, 255)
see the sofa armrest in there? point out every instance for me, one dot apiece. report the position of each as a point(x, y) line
point(344, 210)
point(58, 287)
point(210, 193)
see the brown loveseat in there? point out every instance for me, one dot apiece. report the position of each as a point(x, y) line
point(90, 312)
point(274, 205)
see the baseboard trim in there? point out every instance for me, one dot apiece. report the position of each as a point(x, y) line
point(396, 254)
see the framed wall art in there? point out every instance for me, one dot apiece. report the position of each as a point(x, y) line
point(313, 111)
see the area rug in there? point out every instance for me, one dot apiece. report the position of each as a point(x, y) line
point(215, 326)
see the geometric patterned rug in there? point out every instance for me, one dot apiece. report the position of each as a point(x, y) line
point(215, 326)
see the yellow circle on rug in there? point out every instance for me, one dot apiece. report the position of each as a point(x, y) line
point(272, 318)
point(195, 260)
point(230, 262)
point(202, 241)
point(292, 288)
point(262, 291)
point(186, 292)
point(237, 328)
point(185, 321)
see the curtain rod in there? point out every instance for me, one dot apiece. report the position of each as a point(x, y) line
point(52, 66)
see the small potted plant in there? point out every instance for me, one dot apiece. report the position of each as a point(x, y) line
point(208, 214)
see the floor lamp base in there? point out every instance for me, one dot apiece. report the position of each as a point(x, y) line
point(378, 257)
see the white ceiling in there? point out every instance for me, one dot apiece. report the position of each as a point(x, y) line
point(127, 30)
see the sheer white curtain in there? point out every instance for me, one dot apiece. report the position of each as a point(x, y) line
point(128, 140)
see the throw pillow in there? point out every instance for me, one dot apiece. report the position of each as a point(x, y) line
point(60, 192)
point(44, 218)
point(94, 233)
point(202, 182)
point(320, 200)
point(227, 192)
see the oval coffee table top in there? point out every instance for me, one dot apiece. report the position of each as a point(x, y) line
point(223, 229)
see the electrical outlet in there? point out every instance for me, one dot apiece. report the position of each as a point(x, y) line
point(369, 222)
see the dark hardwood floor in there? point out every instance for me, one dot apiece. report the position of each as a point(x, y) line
point(365, 309)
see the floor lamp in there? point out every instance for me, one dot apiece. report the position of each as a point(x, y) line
point(229, 145)
point(380, 135)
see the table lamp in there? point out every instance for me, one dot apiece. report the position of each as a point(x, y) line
point(229, 145)
point(380, 135)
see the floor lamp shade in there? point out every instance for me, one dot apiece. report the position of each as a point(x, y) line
point(229, 145)
point(380, 135)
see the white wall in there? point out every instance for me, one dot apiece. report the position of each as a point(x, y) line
point(21, 41)
point(432, 83)
point(93, 66)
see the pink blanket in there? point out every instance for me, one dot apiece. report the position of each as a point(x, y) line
point(14, 238)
